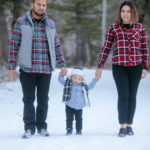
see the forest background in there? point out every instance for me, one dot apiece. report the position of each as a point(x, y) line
point(81, 26)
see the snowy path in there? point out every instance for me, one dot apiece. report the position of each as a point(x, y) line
point(100, 124)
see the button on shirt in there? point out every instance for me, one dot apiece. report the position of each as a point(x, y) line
point(129, 45)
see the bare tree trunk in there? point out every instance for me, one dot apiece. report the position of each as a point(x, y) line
point(80, 47)
point(81, 54)
point(146, 4)
point(3, 35)
point(4, 32)
point(104, 16)
point(17, 9)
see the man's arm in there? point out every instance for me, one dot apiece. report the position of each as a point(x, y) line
point(13, 50)
point(59, 56)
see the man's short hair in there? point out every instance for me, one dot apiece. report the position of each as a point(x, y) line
point(32, 1)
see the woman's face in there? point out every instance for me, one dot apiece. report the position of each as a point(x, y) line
point(126, 14)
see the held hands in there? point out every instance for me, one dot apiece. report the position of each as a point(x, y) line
point(98, 74)
point(12, 75)
point(63, 71)
point(144, 74)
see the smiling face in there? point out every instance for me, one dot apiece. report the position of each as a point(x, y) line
point(76, 79)
point(38, 8)
point(126, 14)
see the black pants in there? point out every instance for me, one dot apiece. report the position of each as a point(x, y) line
point(127, 81)
point(35, 84)
point(70, 113)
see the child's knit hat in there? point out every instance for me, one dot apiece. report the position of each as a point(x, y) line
point(77, 71)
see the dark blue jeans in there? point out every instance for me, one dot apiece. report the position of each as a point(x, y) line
point(127, 81)
point(70, 113)
point(35, 85)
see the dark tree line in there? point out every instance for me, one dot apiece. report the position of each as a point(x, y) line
point(7, 7)
point(81, 18)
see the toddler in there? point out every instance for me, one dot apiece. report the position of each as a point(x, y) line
point(75, 96)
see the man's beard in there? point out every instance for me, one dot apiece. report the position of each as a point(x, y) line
point(36, 13)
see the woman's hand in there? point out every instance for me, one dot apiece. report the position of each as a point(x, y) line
point(144, 73)
point(98, 74)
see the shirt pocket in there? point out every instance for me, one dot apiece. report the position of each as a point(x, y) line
point(136, 36)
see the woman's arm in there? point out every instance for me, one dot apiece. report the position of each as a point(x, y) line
point(145, 50)
point(107, 46)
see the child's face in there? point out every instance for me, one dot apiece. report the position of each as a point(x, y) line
point(76, 79)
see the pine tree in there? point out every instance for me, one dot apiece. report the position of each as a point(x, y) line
point(82, 18)
point(15, 7)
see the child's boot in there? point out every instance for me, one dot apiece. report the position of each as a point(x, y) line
point(69, 131)
point(79, 132)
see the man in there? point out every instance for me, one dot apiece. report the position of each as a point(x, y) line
point(35, 42)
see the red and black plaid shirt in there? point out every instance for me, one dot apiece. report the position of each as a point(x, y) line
point(129, 45)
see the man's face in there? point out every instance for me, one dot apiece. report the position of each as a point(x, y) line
point(39, 7)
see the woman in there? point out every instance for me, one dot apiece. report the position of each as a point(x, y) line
point(129, 62)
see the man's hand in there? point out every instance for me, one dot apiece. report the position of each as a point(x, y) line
point(63, 71)
point(98, 74)
point(12, 75)
point(144, 74)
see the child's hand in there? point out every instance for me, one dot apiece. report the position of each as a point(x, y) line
point(63, 71)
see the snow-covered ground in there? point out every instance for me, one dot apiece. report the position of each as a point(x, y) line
point(100, 123)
